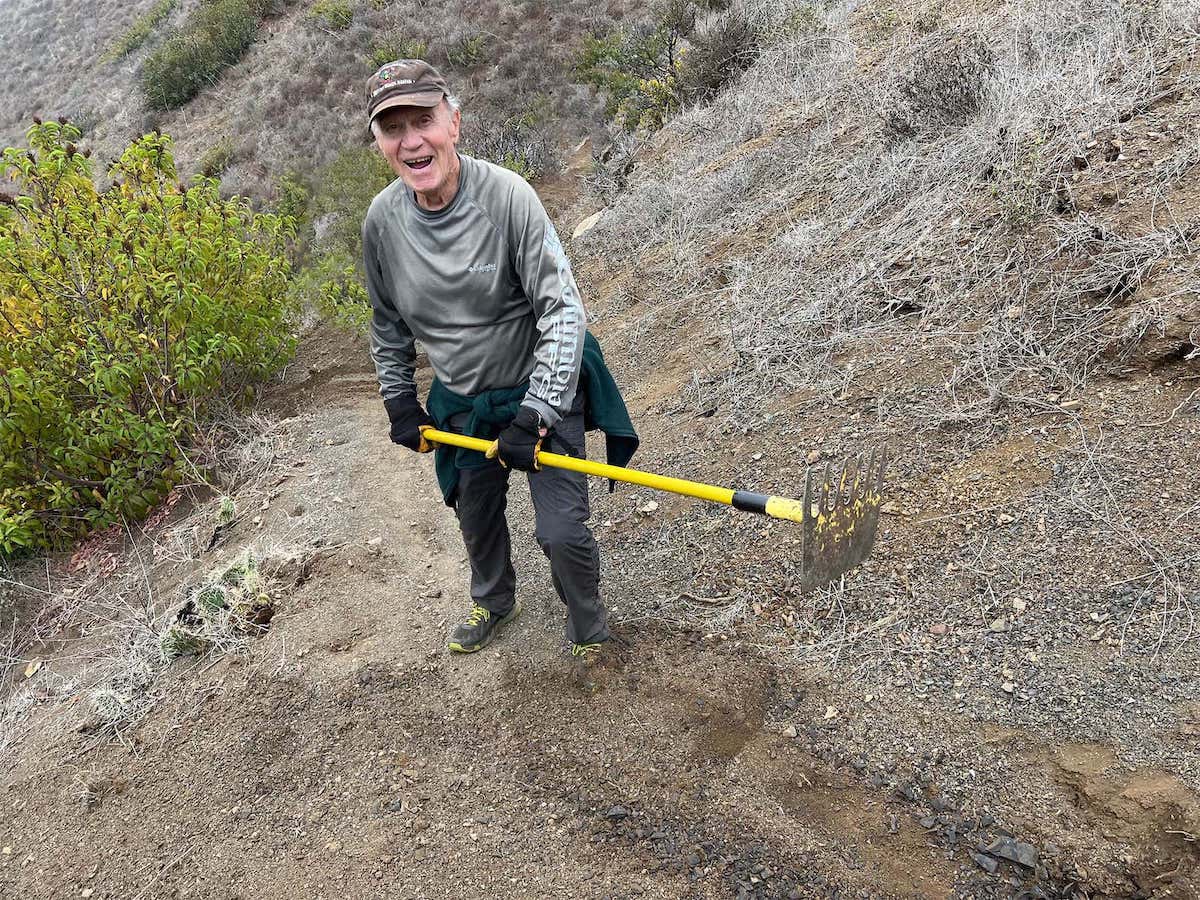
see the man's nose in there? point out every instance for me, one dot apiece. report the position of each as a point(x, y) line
point(410, 139)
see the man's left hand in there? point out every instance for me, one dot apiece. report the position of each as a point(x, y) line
point(519, 443)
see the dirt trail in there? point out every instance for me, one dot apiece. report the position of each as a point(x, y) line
point(350, 755)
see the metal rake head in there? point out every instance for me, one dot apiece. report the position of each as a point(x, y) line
point(841, 515)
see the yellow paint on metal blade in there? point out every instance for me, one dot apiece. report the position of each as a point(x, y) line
point(783, 508)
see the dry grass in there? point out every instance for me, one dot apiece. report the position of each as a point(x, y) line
point(869, 236)
point(936, 287)
point(131, 616)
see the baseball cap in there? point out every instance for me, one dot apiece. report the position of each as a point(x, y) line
point(404, 82)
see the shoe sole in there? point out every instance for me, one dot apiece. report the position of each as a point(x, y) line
point(456, 647)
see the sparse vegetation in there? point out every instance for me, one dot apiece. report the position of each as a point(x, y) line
point(122, 312)
point(395, 46)
point(516, 145)
point(332, 15)
point(140, 30)
point(217, 159)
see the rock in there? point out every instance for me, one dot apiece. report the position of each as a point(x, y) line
point(1014, 851)
point(1170, 340)
point(985, 862)
point(939, 629)
point(648, 508)
point(617, 813)
point(999, 625)
point(586, 225)
point(813, 457)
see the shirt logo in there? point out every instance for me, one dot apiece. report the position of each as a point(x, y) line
point(482, 267)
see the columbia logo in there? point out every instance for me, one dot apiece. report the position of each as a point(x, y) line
point(482, 267)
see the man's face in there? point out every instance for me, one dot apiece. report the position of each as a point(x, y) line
point(419, 144)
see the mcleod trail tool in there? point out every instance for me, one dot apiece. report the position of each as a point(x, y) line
point(838, 514)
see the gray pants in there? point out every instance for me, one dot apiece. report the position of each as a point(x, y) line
point(560, 504)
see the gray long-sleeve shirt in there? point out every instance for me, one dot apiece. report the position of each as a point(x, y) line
point(483, 284)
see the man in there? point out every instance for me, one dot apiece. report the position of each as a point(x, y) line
point(460, 255)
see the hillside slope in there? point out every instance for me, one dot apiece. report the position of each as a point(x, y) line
point(967, 233)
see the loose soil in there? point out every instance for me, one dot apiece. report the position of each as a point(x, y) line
point(1002, 702)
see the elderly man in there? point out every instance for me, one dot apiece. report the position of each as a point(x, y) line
point(460, 255)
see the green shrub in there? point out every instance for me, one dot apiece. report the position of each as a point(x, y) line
point(648, 72)
point(139, 31)
point(332, 282)
point(638, 69)
point(467, 51)
point(217, 158)
point(333, 15)
point(123, 312)
point(333, 286)
point(343, 191)
point(395, 46)
point(215, 36)
point(292, 197)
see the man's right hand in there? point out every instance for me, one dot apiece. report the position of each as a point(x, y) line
point(408, 419)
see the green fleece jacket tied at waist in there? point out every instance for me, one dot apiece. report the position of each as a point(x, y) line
point(490, 412)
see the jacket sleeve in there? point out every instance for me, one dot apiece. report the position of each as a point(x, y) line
point(392, 346)
point(541, 264)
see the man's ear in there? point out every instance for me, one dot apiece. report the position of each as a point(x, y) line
point(455, 124)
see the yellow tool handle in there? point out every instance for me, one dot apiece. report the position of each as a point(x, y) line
point(777, 507)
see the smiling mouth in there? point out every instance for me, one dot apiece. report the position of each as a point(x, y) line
point(423, 162)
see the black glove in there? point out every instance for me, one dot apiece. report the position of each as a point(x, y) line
point(519, 443)
point(407, 418)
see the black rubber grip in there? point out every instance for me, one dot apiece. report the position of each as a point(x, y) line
point(750, 501)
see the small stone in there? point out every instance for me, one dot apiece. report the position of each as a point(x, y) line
point(790, 732)
point(999, 625)
point(586, 225)
point(939, 629)
point(813, 457)
point(985, 862)
point(648, 508)
point(1014, 851)
point(1008, 687)
point(617, 813)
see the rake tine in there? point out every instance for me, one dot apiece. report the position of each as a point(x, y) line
point(841, 490)
point(825, 507)
point(852, 496)
point(808, 493)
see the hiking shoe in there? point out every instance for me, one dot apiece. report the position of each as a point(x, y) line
point(479, 628)
point(586, 655)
